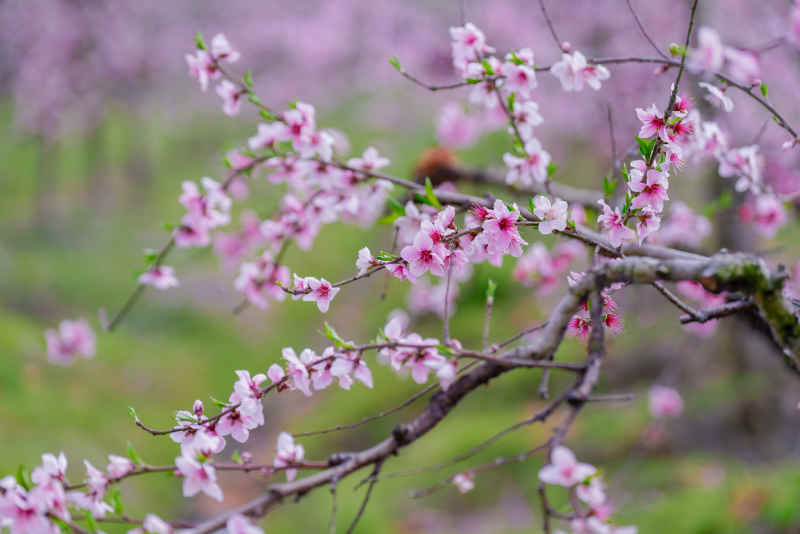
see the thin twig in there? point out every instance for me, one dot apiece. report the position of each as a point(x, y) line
point(673, 298)
point(729, 308)
point(550, 25)
point(373, 479)
point(644, 32)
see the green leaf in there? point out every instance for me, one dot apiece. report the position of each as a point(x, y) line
point(430, 195)
point(609, 186)
point(719, 204)
point(624, 170)
point(551, 169)
point(331, 334)
point(198, 41)
point(571, 225)
point(646, 146)
point(133, 455)
point(487, 67)
point(65, 528)
point(677, 50)
point(764, 89)
point(219, 403)
point(491, 288)
point(267, 114)
point(511, 98)
point(248, 78)
point(150, 255)
point(627, 206)
point(91, 522)
point(515, 58)
point(394, 62)
point(132, 413)
point(444, 349)
point(24, 477)
point(473, 81)
point(168, 226)
point(254, 99)
point(116, 500)
point(397, 211)
point(531, 205)
point(237, 458)
point(385, 256)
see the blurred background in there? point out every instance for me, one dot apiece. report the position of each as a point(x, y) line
point(100, 124)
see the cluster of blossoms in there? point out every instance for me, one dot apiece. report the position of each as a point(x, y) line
point(711, 56)
point(581, 323)
point(420, 356)
point(204, 66)
point(592, 506)
point(30, 505)
point(544, 270)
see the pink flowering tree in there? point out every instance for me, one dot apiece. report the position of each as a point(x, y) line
point(631, 232)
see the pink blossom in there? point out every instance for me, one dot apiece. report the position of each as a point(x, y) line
point(745, 164)
point(259, 281)
point(268, 135)
point(520, 79)
point(239, 524)
point(464, 482)
point(665, 402)
point(192, 232)
point(153, 524)
point(683, 226)
point(709, 54)
point(593, 493)
point(244, 414)
point(501, 230)
point(247, 386)
point(447, 374)
point(469, 44)
point(202, 68)
point(275, 373)
point(209, 209)
point(53, 468)
point(717, 96)
point(573, 71)
point(422, 256)
point(72, 339)
point(526, 116)
point(553, 216)
point(222, 49)
point(456, 129)
point(119, 466)
point(564, 469)
point(743, 66)
point(297, 372)
point(289, 453)
point(614, 225)
point(653, 123)
point(766, 212)
point(370, 161)
point(231, 97)
point(160, 277)
point(351, 364)
point(320, 291)
point(198, 477)
point(528, 169)
point(647, 223)
point(365, 261)
point(651, 191)
point(239, 161)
